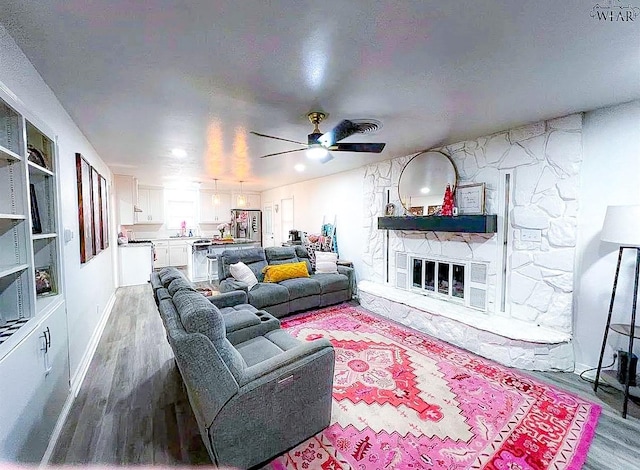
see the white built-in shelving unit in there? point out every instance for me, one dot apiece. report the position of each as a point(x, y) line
point(30, 274)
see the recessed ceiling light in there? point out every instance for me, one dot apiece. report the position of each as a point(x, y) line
point(180, 153)
point(425, 190)
point(299, 167)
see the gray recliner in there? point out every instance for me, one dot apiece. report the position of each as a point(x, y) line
point(253, 399)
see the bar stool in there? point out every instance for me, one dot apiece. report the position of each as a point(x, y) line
point(212, 267)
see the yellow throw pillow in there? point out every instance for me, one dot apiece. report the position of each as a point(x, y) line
point(280, 272)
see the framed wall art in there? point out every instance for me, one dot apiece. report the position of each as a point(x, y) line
point(97, 212)
point(470, 199)
point(85, 208)
point(104, 213)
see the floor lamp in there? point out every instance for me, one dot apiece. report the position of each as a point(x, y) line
point(622, 227)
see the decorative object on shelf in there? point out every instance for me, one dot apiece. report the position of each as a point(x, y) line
point(416, 210)
point(389, 209)
point(424, 178)
point(622, 227)
point(35, 156)
point(104, 212)
point(434, 210)
point(85, 212)
point(36, 224)
point(97, 216)
point(44, 281)
point(470, 199)
point(447, 203)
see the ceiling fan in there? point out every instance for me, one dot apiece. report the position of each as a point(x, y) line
point(318, 143)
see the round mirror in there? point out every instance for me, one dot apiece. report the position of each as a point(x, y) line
point(423, 181)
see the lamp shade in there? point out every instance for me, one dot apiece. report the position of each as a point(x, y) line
point(622, 225)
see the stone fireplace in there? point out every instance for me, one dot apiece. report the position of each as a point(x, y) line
point(514, 288)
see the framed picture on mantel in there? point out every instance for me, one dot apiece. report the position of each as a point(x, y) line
point(470, 199)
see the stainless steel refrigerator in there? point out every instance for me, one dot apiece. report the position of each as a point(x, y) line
point(246, 224)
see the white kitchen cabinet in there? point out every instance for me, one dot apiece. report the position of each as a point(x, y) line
point(162, 254)
point(126, 198)
point(35, 386)
point(211, 213)
point(252, 201)
point(178, 253)
point(151, 206)
point(136, 264)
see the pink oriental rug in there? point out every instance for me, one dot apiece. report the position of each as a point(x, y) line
point(404, 400)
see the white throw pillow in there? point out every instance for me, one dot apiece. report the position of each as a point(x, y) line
point(242, 272)
point(326, 263)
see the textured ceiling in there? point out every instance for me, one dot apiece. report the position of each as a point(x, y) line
point(140, 78)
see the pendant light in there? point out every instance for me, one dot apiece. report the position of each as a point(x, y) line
point(241, 201)
point(215, 198)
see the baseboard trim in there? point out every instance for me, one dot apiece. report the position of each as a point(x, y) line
point(76, 381)
point(78, 378)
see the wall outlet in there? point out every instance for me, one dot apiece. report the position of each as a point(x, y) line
point(530, 235)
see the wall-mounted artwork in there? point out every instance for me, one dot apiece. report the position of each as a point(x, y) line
point(85, 208)
point(104, 213)
point(96, 207)
point(92, 210)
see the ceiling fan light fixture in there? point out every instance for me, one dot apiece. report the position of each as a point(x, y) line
point(317, 152)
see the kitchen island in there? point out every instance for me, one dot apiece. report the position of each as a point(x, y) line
point(198, 264)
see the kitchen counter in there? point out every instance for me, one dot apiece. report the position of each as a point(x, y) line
point(133, 245)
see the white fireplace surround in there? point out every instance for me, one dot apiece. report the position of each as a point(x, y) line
point(531, 175)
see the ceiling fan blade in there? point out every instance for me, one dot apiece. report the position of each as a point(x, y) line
point(277, 138)
point(358, 147)
point(343, 130)
point(281, 153)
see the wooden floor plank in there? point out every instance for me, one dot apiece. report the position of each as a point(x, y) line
point(132, 407)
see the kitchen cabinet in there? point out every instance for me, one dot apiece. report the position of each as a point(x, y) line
point(252, 201)
point(35, 386)
point(126, 198)
point(136, 263)
point(150, 203)
point(162, 254)
point(211, 213)
point(178, 253)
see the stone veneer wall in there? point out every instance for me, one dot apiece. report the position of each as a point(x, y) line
point(544, 160)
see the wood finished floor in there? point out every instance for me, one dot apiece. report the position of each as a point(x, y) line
point(132, 408)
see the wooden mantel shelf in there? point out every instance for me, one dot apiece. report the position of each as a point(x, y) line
point(461, 223)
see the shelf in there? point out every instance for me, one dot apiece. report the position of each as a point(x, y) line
point(610, 377)
point(461, 223)
point(40, 169)
point(43, 236)
point(8, 270)
point(8, 155)
point(625, 329)
point(46, 301)
point(12, 217)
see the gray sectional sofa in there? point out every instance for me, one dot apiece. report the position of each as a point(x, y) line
point(254, 389)
point(291, 295)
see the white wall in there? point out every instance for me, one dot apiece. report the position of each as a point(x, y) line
point(339, 195)
point(89, 287)
point(610, 176)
